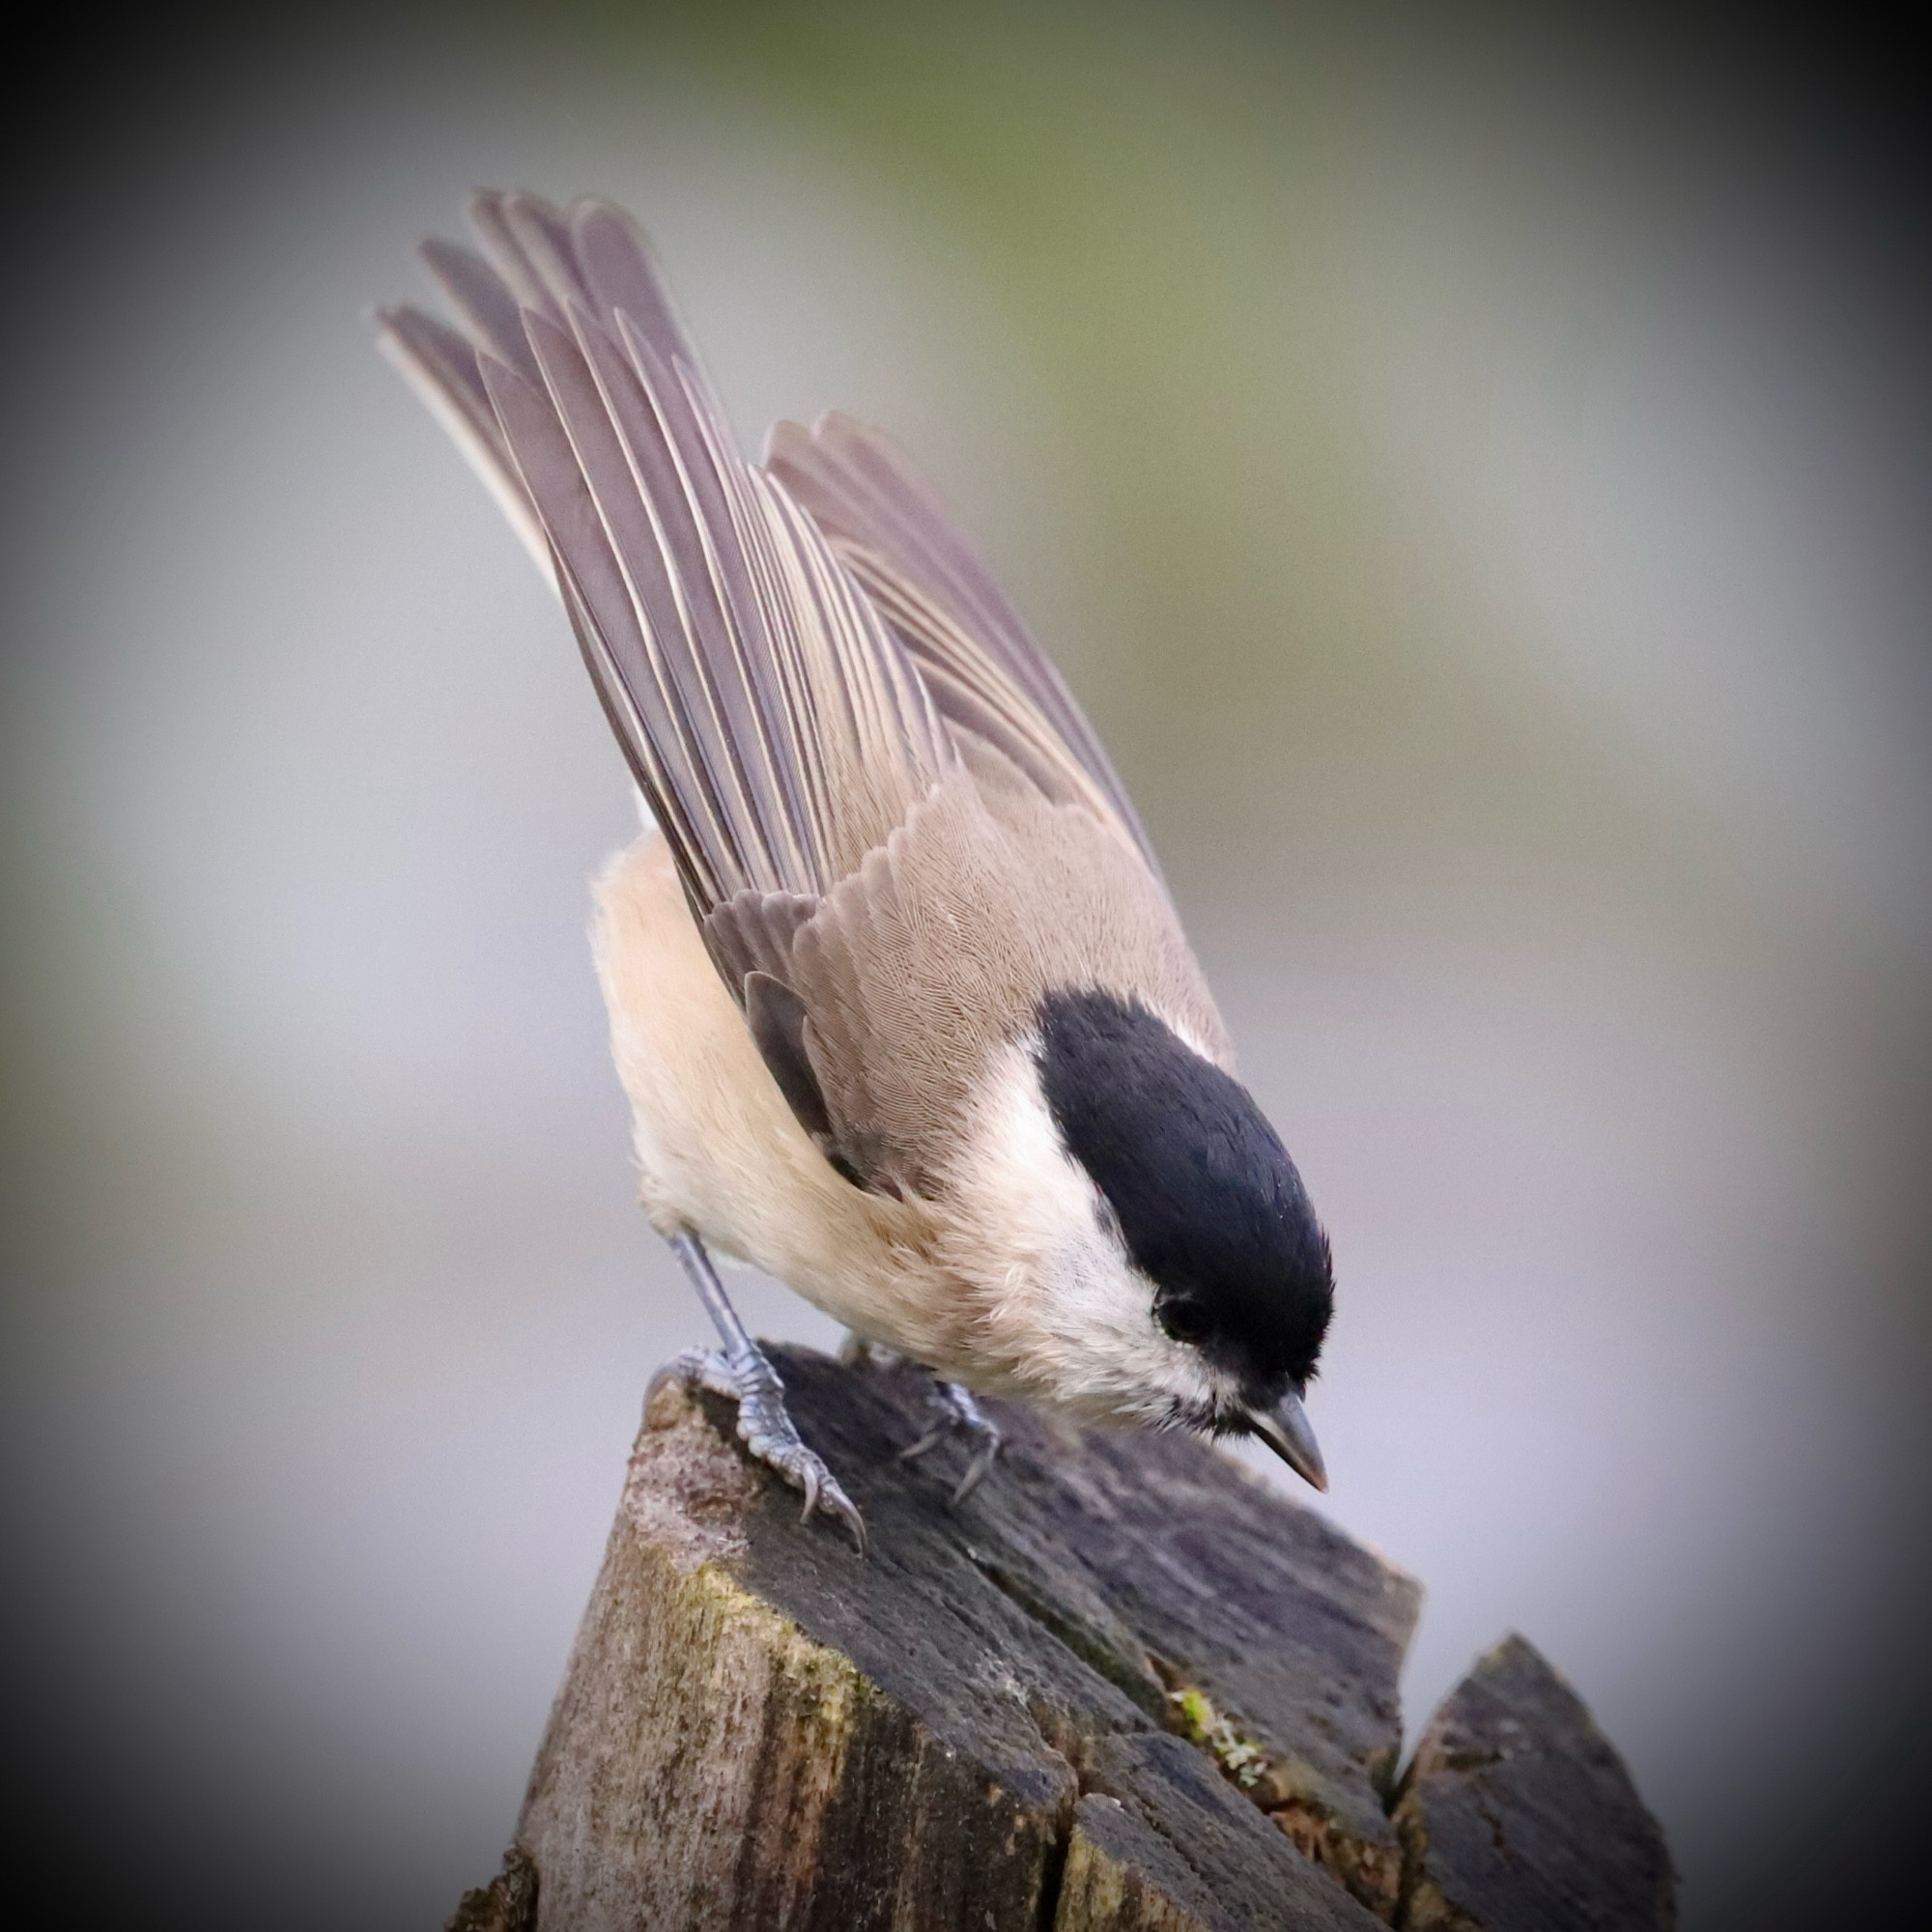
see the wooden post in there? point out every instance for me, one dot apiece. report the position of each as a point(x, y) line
point(1125, 1685)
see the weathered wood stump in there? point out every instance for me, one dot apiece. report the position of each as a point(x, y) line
point(1123, 1685)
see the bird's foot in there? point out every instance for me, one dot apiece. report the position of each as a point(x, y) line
point(765, 1426)
point(955, 1412)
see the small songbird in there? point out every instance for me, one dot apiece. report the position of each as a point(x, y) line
point(904, 1011)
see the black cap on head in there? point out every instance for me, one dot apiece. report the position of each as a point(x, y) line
point(1208, 1203)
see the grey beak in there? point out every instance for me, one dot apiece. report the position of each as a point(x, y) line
point(1285, 1429)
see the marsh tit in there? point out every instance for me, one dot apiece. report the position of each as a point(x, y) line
point(904, 1011)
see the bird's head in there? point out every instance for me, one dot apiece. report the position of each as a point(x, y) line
point(1164, 1262)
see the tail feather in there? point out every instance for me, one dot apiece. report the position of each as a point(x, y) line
point(775, 725)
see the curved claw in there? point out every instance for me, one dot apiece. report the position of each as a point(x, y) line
point(823, 1494)
point(976, 1468)
point(838, 1503)
point(955, 1412)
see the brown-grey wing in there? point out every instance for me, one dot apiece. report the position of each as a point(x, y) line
point(777, 728)
point(885, 911)
point(441, 366)
point(988, 677)
point(939, 950)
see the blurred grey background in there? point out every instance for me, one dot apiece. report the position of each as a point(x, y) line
point(1473, 472)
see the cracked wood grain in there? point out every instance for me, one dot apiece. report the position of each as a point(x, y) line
point(976, 1726)
point(1518, 1815)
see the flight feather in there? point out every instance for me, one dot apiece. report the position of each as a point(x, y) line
point(895, 827)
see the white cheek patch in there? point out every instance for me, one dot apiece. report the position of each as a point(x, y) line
point(1055, 1221)
point(1065, 1306)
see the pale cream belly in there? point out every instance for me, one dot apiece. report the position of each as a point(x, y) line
point(719, 1153)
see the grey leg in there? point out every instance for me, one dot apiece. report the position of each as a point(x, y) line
point(742, 1371)
point(955, 1412)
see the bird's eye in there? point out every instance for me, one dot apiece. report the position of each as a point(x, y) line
point(1185, 1320)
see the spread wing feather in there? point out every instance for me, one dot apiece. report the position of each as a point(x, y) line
point(441, 367)
point(775, 725)
point(895, 827)
point(987, 675)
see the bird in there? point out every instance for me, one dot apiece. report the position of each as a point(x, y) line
point(896, 990)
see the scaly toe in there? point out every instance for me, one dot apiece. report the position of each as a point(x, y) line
point(695, 1368)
